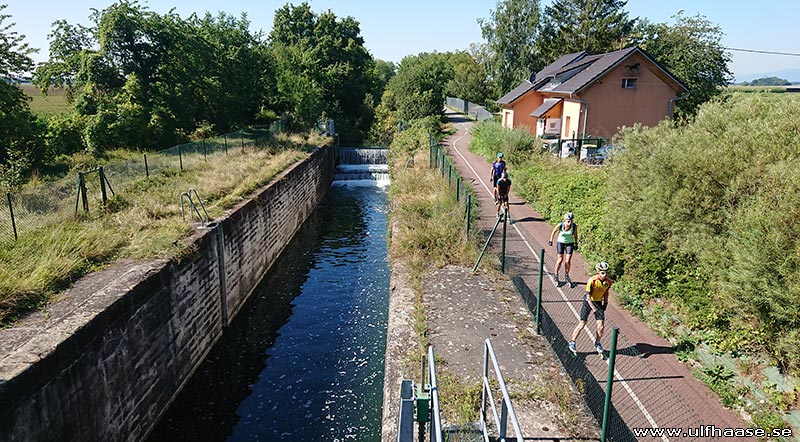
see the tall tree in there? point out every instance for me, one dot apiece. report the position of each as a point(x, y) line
point(594, 26)
point(469, 78)
point(511, 33)
point(323, 66)
point(418, 88)
point(18, 129)
point(692, 50)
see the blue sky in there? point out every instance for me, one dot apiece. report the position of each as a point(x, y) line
point(392, 30)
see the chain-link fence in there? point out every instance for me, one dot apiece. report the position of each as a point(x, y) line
point(475, 111)
point(25, 211)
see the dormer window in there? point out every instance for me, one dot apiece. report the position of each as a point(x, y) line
point(628, 83)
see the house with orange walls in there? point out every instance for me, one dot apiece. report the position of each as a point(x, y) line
point(582, 95)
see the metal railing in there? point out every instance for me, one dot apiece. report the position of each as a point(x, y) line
point(424, 400)
point(506, 408)
point(436, 419)
point(194, 202)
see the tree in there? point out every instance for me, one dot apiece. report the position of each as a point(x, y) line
point(418, 88)
point(143, 79)
point(469, 78)
point(328, 56)
point(692, 50)
point(594, 26)
point(18, 128)
point(511, 34)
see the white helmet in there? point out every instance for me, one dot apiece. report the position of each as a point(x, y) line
point(569, 216)
point(601, 266)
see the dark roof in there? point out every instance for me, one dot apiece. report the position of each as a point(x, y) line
point(557, 65)
point(577, 71)
point(591, 71)
point(543, 108)
point(515, 93)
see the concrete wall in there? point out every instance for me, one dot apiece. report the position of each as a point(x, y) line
point(106, 362)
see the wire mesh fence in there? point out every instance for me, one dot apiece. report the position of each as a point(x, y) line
point(28, 210)
point(473, 110)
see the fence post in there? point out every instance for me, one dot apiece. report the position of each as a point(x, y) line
point(11, 211)
point(458, 189)
point(469, 203)
point(205, 152)
point(610, 381)
point(146, 168)
point(449, 174)
point(503, 247)
point(180, 154)
point(430, 156)
point(82, 183)
point(225, 139)
point(539, 294)
point(101, 172)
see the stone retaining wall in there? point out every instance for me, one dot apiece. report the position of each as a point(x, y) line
point(106, 362)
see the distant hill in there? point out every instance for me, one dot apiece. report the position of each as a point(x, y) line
point(792, 75)
point(767, 81)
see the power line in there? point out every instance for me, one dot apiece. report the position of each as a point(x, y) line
point(763, 52)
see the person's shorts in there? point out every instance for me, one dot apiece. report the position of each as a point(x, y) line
point(564, 248)
point(494, 180)
point(502, 199)
point(599, 314)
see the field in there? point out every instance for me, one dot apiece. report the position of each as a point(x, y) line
point(55, 102)
point(749, 89)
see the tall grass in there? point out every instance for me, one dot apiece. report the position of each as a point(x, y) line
point(142, 221)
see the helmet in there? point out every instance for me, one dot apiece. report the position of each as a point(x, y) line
point(504, 174)
point(499, 154)
point(569, 216)
point(601, 266)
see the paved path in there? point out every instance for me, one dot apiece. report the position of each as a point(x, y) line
point(651, 388)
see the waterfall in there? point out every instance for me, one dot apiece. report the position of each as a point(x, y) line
point(365, 166)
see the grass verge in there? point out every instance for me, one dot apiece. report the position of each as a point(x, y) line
point(429, 233)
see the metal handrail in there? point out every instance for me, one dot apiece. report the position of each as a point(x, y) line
point(507, 409)
point(436, 421)
point(187, 196)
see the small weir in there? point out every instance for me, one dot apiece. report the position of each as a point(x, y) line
point(304, 359)
point(362, 166)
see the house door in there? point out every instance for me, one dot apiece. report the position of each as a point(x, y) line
point(566, 127)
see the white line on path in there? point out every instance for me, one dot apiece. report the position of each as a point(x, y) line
point(619, 377)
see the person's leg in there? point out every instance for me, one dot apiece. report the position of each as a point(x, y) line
point(560, 259)
point(568, 260)
point(577, 330)
point(600, 328)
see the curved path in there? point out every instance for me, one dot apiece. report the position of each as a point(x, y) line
point(651, 388)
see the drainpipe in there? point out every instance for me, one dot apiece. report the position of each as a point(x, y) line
point(585, 115)
point(672, 102)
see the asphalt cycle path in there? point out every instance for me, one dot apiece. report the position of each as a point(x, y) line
point(651, 389)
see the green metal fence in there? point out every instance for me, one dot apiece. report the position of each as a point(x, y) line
point(439, 160)
point(26, 211)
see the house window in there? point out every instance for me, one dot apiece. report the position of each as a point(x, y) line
point(628, 83)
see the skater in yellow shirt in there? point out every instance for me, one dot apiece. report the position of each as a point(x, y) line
point(595, 301)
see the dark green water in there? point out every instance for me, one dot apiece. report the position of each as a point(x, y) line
point(303, 360)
